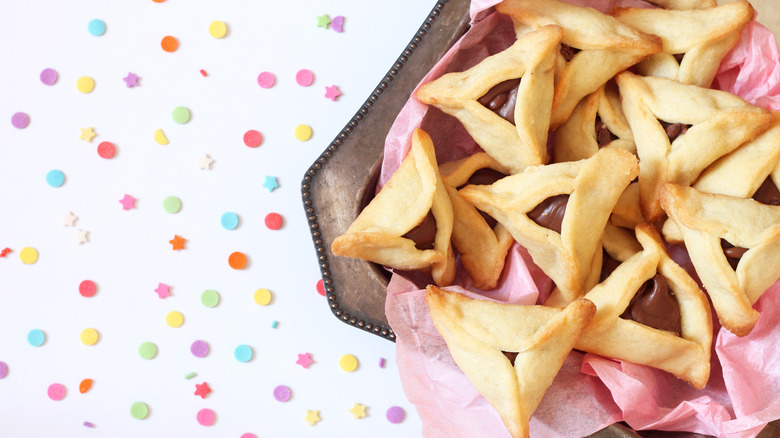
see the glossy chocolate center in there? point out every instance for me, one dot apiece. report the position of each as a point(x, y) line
point(733, 253)
point(485, 177)
point(549, 213)
point(424, 233)
point(655, 305)
point(603, 135)
point(674, 130)
point(501, 99)
point(568, 52)
point(767, 193)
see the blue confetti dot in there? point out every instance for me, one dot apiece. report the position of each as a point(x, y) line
point(97, 27)
point(243, 353)
point(55, 178)
point(229, 221)
point(36, 337)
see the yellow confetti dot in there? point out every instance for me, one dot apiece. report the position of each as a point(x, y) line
point(28, 255)
point(218, 29)
point(263, 297)
point(348, 363)
point(89, 336)
point(160, 137)
point(303, 132)
point(174, 319)
point(85, 84)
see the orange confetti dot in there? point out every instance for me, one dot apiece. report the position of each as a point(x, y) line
point(169, 44)
point(237, 260)
point(85, 385)
point(158, 1)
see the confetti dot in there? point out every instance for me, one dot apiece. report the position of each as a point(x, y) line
point(304, 77)
point(85, 385)
point(237, 260)
point(49, 76)
point(96, 27)
point(181, 115)
point(273, 221)
point(88, 424)
point(320, 287)
point(28, 255)
point(203, 73)
point(174, 319)
point(20, 120)
point(3, 370)
point(381, 362)
point(55, 178)
point(189, 376)
point(106, 150)
point(348, 363)
point(248, 435)
point(199, 348)
point(337, 24)
point(169, 44)
point(36, 337)
point(266, 79)
point(218, 29)
point(139, 410)
point(252, 138)
point(87, 288)
point(147, 350)
point(89, 336)
point(229, 221)
point(263, 297)
point(160, 138)
point(206, 417)
point(303, 132)
point(282, 393)
point(274, 324)
point(56, 391)
point(243, 353)
point(172, 204)
point(209, 298)
point(395, 414)
point(85, 84)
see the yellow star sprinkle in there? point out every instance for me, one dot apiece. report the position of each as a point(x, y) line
point(87, 134)
point(359, 411)
point(312, 417)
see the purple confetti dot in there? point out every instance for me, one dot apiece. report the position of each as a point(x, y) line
point(20, 120)
point(395, 414)
point(282, 393)
point(49, 76)
point(3, 370)
point(199, 348)
point(338, 24)
point(381, 362)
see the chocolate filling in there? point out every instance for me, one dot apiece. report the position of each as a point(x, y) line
point(767, 193)
point(485, 176)
point(424, 233)
point(501, 99)
point(674, 130)
point(549, 213)
point(603, 135)
point(608, 265)
point(654, 305)
point(733, 253)
point(679, 57)
point(568, 52)
point(511, 356)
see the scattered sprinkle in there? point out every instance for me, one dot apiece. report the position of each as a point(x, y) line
point(85, 385)
point(88, 424)
point(69, 219)
point(128, 202)
point(274, 324)
point(248, 435)
point(303, 132)
point(20, 120)
point(320, 287)
point(163, 290)
point(252, 138)
point(206, 417)
point(169, 44)
point(205, 162)
point(49, 76)
point(218, 29)
point(172, 204)
point(55, 178)
point(395, 414)
point(304, 77)
point(282, 393)
point(160, 138)
point(56, 391)
point(273, 221)
point(28, 255)
point(266, 79)
point(271, 183)
point(189, 376)
point(203, 73)
point(131, 80)
point(338, 24)
point(312, 417)
point(87, 288)
point(304, 360)
point(243, 353)
point(3, 370)
point(323, 21)
point(358, 410)
point(5, 252)
point(237, 260)
point(332, 92)
point(348, 363)
point(147, 350)
point(36, 337)
point(87, 134)
point(199, 348)
point(202, 389)
point(229, 220)
point(85, 84)
point(210, 298)
point(106, 150)
point(263, 297)
point(381, 362)
point(139, 410)
point(89, 336)
point(177, 242)
point(174, 319)
point(181, 115)
point(81, 236)
point(96, 27)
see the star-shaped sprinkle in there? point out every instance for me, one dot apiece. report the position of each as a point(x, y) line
point(323, 21)
point(202, 390)
point(312, 417)
point(81, 236)
point(131, 80)
point(270, 183)
point(177, 242)
point(332, 92)
point(204, 162)
point(127, 202)
point(163, 290)
point(304, 360)
point(69, 219)
point(5, 252)
point(358, 411)
point(87, 134)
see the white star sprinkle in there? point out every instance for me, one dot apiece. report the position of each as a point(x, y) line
point(81, 236)
point(69, 219)
point(204, 162)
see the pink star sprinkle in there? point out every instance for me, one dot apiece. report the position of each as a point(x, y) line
point(163, 290)
point(127, 202)
point(202, 390)
point(332, 92)
point(131, 80)
point(304, 360)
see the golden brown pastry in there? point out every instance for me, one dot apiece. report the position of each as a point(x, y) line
point(685, 4)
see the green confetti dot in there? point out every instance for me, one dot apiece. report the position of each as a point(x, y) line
point(139, 410)
point(147, 350)
point(181, 115)
point(172, 204)
point(210, 298)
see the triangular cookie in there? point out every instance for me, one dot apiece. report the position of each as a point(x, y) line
point(586, 190)
point(703, 36)
point(704, 124)
point(600, 45)
point(706, 220)
point(414, 190)
point(523, 141)
point(479, 332)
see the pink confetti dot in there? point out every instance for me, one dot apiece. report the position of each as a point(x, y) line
point(273, 221)
point(253, 138)
point(199, 348)
point(56, 391)
point(20, 120)
point(282, 393)
point(106, 150)
point(304, 77)
point(395, 414)
point(87, 288)
point(337, 24)
point(266, 79)
point(3, 370)
point(206, 417)
point(248, 435)
point(49, 76)
point(320, 287)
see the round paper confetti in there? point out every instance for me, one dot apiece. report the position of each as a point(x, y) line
point(85, 84)
point(36, 337)
point(106, 150)
point(199, 348)
point(337, 24)
point(273, 221)
point(28, 255)
point(248, 435)
point(97, 27)
point(20, 120)
point(169, 44)
point(147, 350)
point(172, 204)
point(282, 393)
point(87, 288)
point(49, 76)
point(229, 221)
point(85, 385)
point(55, 178)
point(266, 79)
point(237, 260)
point(252, 138)
point(89, 336)
point(243, 353)
point(160, 138)
point(3, 370)
point(304, 77)
point(139, 410)
point(56, 391)
point(348, 363)
point(395, 414)
point(174, 319)
point(181, 115)
point(263, 297)
point(218, 29)
point(303, 132)
point(206, 417)
point(320, 287)
point(209, 298)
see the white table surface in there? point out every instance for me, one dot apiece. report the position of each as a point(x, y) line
point(128, 254)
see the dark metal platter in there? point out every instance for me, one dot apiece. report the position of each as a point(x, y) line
point(338, 184)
